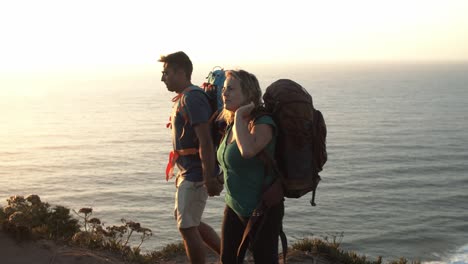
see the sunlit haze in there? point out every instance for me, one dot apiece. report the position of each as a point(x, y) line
point(84, 113)
point(78, 34)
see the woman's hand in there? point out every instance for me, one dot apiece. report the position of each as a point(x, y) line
point(214, 187)
point(245, 110)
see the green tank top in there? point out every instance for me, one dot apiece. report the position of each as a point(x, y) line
point(244, 179)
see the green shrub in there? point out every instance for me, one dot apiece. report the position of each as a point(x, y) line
point(331, 250)
point(168, 251)
point(37, 219)
point(31, 218)
point(61, 224)
point(2, 216)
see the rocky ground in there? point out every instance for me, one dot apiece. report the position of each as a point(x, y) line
point(48, 252)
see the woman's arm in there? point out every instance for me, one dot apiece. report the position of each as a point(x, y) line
point(250, 142)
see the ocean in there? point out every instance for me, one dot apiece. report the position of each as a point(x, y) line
point(395, 183)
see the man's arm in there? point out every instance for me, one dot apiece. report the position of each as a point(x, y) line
point(207, 156)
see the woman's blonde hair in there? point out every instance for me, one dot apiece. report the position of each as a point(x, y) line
point(249, 87)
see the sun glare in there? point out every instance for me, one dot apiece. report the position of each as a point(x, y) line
point(58, 34)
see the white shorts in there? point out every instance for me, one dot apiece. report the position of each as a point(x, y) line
point(190, 201)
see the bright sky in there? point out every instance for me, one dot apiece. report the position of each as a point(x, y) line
point(65, 34)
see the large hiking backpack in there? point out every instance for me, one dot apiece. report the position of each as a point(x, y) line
point(213, 88)
point(301, 147)
point(300, 150)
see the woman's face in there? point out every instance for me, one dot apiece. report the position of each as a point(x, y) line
point(232, 94)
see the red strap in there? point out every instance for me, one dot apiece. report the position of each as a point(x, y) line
point(181, 105)
point(173, 156)
point(170, 165)
point(177, 97)
point(169, 125)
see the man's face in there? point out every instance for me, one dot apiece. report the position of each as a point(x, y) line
point(170, 78)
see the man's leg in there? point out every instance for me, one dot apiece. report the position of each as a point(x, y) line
point(194, 246)
point(190, 202)
point(210, 237)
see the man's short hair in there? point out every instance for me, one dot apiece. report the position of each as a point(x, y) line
point(178, 60)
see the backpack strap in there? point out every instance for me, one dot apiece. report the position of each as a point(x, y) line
point(175, 154)
point(180, 99)
point(257, 217)
point(214, 116)
point(272, 195)
point(284, 243)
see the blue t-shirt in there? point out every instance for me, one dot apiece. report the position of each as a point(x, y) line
point(191, 109)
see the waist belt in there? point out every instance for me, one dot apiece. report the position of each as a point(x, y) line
point(173, 156)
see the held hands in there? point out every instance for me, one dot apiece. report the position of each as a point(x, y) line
point(245, 110)
point(213, 186)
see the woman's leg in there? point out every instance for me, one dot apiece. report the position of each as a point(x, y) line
point(265, 246)
point(231, 235)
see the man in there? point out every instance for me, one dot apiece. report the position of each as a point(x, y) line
point(193, 154)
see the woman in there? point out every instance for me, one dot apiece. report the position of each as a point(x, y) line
point(244, 172)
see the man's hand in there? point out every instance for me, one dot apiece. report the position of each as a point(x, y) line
point(214, 187)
